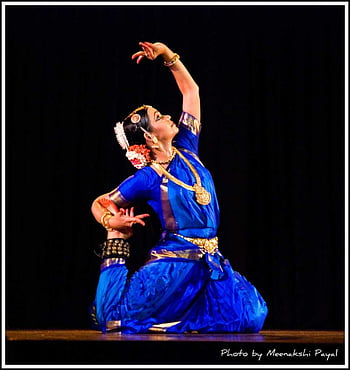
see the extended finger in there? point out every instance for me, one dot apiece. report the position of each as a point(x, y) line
point(131, 224)
point(143, 43)
point(135, 55)
point(148, 44)
point(139, 59)
point(147, 48)
point(137, 220)
point(143, 215)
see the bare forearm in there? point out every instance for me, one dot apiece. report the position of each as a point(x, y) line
point(98, 210)
point(183, 78)
point(186, 84)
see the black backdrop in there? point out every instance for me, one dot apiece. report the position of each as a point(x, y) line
point(272, 89)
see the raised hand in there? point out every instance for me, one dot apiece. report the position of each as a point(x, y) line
point(149, 51)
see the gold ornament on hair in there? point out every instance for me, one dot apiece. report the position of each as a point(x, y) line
point(135, 118)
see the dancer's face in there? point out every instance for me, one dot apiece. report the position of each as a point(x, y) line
point(161, 125)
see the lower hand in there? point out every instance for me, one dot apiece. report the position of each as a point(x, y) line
point(122, 220)
point(123, 223)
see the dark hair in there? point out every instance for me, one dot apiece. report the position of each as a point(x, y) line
point(133, 131)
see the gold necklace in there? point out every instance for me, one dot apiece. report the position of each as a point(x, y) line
point(168, 160)
point(202, 196)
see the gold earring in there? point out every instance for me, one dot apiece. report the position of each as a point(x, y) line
point(154, 139)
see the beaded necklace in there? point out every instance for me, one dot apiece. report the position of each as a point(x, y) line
point(168, 160)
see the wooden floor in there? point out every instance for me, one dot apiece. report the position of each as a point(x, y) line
point(89, 347)
point(267, 336)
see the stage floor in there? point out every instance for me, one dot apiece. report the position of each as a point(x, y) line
point(267, 336)
point(89, 347)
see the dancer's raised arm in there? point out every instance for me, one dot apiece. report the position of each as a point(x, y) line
point(187, 86)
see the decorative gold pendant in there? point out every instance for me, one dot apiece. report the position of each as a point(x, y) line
point(202, 196)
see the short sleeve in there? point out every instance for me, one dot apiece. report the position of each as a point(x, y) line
point(188, 135)
point(134, 189)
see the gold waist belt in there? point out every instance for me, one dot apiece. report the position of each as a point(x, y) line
point(205, 245)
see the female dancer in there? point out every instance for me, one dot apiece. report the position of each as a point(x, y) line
point(186, 285)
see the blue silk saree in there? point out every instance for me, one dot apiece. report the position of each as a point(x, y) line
point(186, 284)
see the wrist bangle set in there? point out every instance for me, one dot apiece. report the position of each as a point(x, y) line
point(104, 222)
point(113, 248)
point(172, 61)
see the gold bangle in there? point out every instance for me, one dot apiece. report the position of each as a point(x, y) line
point(103, 216)
point(105, 222)
point(172, 61)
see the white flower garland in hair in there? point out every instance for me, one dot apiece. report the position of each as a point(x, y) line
point(120, 135)
point(138, 155)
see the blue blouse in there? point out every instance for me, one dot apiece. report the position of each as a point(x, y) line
point(176, 206)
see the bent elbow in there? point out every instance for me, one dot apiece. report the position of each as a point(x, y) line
point(94, 206)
